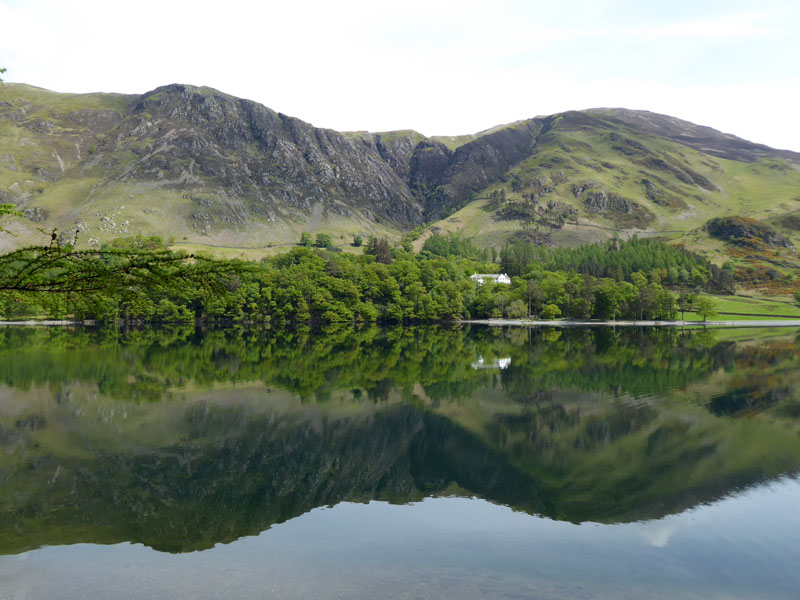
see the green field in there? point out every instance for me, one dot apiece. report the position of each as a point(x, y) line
point(750, 308)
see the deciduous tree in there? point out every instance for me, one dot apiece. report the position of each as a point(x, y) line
point(705, 307)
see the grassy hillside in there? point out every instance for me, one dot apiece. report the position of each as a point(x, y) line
point(588, 179)
point(204, 169)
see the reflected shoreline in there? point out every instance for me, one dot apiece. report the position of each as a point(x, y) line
point(184, 438)
point(566, 323)
point(771, 323)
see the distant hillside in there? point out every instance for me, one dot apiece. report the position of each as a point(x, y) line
point(594, 174)
point(198, 166)
point(190, 162)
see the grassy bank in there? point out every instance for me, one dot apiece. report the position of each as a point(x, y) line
point(751, 308)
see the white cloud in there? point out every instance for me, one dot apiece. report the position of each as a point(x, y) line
point(736, 26)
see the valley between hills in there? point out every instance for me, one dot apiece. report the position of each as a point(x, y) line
point(210, 172)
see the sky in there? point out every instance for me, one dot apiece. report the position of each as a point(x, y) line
point(441, 68)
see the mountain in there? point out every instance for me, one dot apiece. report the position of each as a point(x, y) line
point(197, 166)
point(191, 161)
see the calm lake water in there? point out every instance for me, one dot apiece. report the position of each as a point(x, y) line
point(399, 463)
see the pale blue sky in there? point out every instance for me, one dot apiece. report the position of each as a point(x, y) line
point(438, 67)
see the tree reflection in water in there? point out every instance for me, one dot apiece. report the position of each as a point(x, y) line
point(181, 439)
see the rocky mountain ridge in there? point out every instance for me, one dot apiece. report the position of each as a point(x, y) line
point(192, 162)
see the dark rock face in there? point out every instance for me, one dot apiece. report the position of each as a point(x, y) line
point(397, 151)
point(444, 180)
point(479, 162)
point(428, 162)
point(267, 161)
point(600, 202)
point(623, 211)
point(743, 231)
point(426, 176)
point(579, 188)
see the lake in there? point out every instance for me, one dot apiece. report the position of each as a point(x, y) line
point(430, 462)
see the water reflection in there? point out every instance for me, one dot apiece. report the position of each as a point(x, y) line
point(183, 439)
point(741, 547)
point(497, 363)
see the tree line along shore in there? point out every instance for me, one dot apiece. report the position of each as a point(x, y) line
point(139, 280)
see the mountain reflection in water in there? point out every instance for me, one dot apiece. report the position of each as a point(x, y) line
point(182, 439)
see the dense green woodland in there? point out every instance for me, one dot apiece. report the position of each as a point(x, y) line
point(138, 279)
point(660, 262)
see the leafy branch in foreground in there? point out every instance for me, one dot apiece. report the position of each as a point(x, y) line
point(48, 275)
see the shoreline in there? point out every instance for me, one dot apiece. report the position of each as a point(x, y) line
point(45, 323)
point(501, 323)
point(567, 323)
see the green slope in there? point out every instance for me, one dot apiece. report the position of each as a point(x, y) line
point(653, 185)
